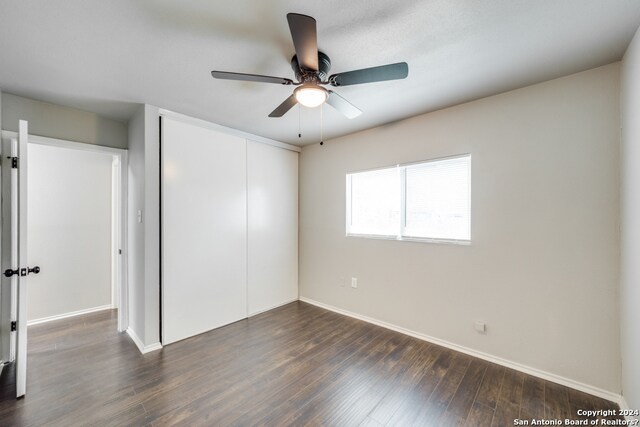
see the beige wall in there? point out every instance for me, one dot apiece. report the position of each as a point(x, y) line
point(542, 269)
point(56, 121)
point(630, 224)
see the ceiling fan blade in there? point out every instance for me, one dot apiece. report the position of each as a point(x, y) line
point(249, 77)
point(305, 40)
point(342, 105)
point(399, 70)
point(284, 107)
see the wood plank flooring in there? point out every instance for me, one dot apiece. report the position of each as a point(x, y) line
point(296, 365)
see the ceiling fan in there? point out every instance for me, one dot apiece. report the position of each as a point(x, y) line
point(311, 68)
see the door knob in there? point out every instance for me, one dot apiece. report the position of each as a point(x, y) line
point(9, 272)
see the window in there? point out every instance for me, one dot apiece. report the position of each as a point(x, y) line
point(424, 201)
point(375, 202)
point(437, 199)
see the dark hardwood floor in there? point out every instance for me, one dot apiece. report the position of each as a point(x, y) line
point(295, 365)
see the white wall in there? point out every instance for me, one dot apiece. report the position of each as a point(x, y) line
point(542, 269)
point(144, 239)
point(69, 237)
point(272, 245)
point(151, 222)
point(630, 224)
point(57, 121)
point(135, 236)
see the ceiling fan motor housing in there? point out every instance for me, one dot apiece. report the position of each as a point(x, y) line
point(312, 76)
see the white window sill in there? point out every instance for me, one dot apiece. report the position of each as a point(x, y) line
point(412, 239)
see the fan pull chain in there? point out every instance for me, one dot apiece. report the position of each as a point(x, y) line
point(299, 132)
point(321, 125)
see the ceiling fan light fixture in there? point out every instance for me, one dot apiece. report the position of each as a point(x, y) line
point(311, 68)
point(310, 95)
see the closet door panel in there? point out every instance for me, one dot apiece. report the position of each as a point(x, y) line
point(204, 230)
point(272, 175)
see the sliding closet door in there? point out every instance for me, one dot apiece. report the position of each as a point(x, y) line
point(272, 175)
point(204, 230)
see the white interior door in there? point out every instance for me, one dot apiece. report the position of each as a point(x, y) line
point(22, 261)
point(204, 230)
point(7, 285)
point(15, 262)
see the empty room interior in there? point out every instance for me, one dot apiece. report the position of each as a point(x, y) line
point(288, 213)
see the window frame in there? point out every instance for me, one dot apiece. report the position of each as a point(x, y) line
point(402, 168)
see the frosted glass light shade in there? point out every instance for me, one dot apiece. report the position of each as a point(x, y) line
point(311, 96)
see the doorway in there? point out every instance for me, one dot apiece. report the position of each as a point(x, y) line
point(77, 217)
point(73, 222)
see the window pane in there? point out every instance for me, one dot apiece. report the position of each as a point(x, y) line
point(438, 199)
point(374, 202)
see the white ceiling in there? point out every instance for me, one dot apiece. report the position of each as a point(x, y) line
point(108, 56)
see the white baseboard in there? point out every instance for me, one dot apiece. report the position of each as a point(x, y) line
point(595, 391)
point(625, 406)
point(623, 403)
point(138, 342)
point(71, 314)
point(271, 308)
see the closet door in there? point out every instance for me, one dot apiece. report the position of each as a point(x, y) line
point(204, 230)
point(272, 175)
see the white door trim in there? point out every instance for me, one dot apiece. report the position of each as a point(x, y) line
point(120, 292)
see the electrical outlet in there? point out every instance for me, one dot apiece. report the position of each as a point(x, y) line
point(481, 327)
point(354, 282)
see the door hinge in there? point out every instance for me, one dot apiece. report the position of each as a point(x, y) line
point(14, 162)
point(14, 326)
